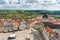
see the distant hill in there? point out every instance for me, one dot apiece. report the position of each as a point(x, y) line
point(45, 11)
point(35, 11)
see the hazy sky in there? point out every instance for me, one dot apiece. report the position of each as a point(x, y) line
point(30, 4)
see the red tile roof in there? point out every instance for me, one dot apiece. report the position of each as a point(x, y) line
point(49, 30)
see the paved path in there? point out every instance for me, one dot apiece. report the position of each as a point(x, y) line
point(57, 30)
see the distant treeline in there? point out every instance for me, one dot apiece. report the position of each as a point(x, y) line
point(30, 11)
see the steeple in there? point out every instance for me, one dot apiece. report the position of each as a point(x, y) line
point(45, 15)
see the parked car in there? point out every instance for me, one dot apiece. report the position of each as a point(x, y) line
point(12, 36)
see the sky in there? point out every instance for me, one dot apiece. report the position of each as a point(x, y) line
point(30, 4)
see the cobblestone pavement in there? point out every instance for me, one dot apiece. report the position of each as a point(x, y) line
point(21, 35)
